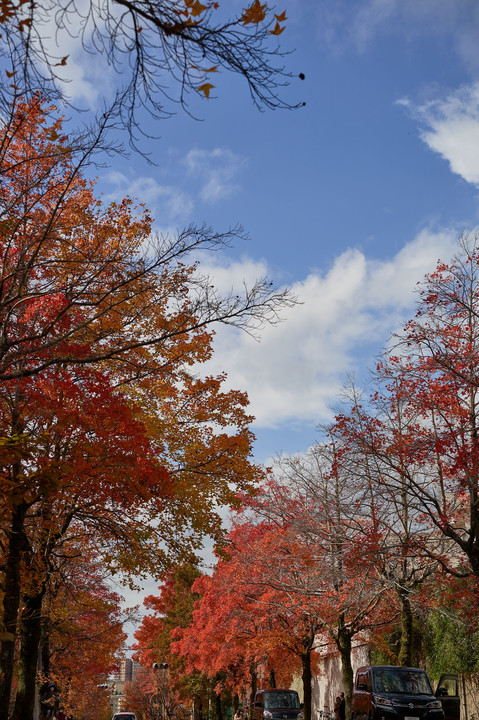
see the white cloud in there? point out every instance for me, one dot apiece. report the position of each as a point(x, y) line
point(217, 170)
point(347, 315)
point(86, 77)
point(451, 128)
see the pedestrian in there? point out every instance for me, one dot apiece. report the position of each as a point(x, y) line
point(342, 706)
point(48, 702)
point(337, 703)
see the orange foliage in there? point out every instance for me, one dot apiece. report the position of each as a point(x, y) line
point(108, 434)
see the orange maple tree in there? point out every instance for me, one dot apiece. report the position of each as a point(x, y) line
point(82, 633)
point(247, 618)
point(329, 565)
point(107, 431)
point(82, 283)
point(170, 610)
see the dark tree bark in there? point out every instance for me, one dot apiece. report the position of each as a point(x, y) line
point(405, 649)
point(30, 634)
point(306, 676)
point(344, 646)
point(11, 603)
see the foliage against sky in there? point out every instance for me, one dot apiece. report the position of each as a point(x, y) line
point(115, 436)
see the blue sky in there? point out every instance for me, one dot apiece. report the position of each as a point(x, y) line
point(349, 200)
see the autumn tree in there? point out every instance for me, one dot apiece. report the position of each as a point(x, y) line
point(82, 632)
point(106, 427)
point(380, 459)
point(82, 283)
point(91, 473)
point(316, 498)
point(415, 441)
point(246, 618)
point(272, 561)
point(151, 695)
point(224, 627)
point(437, 372)
point(163, 51)
point(428, 387)
point(171, 610)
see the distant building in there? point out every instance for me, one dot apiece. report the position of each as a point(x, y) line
point(127, 672)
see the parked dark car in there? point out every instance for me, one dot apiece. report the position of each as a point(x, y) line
point(387, 692)
point(277, 704)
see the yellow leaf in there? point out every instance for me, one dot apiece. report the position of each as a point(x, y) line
point(205, 70)
point(256, 13)
point(197, 8)
point(53, 136)
point(277, 30)
point(205, 88)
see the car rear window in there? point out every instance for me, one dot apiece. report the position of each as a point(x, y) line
point(282, 699)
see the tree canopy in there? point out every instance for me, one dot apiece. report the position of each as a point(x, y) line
point(112, 436)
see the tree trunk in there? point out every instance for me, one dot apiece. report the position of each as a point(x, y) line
point(405, 649)
point(219, 709)
point(10, 605)
point(344, 646)
point(306, 677)
point(30, 635)
point(254, 685)
point(272, 679)
point(45, 652)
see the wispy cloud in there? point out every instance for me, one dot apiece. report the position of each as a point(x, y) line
point(342, 24)
point(217, 171)
point(167, 203)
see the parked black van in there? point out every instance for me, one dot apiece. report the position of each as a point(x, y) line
point(387, 692)
point(277, 704)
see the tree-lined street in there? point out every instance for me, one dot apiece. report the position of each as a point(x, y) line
point(194, 408)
